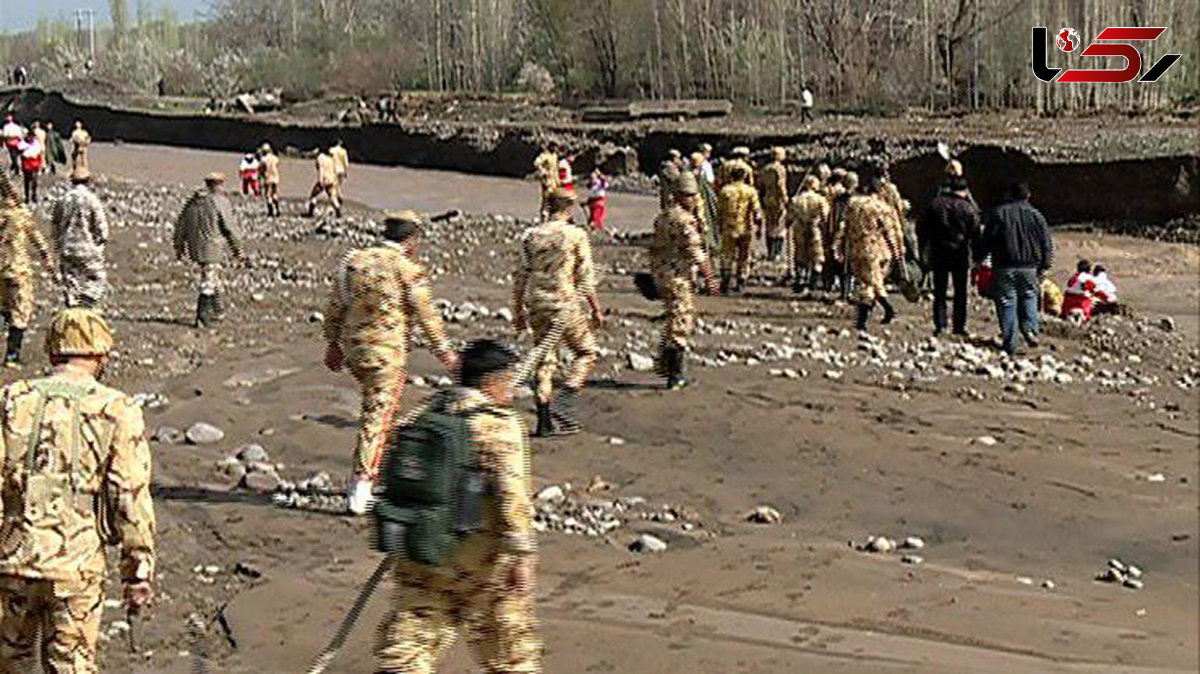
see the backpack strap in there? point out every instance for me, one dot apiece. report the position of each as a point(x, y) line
point(57, 388)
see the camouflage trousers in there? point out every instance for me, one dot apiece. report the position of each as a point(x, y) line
point(381, 382)
point(331, 191)
point(210, 278)
point(16, 300)
point(577, 337)
point(809, 245)
point(85, 281)
point(774, 213)
point(679, 300)
point(38, 623)
point(432, 604)
point(870, 275)
point(735, 257)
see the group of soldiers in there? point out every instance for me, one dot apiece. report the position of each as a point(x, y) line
point(333, 168)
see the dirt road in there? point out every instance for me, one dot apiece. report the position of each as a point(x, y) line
point(1014, 473)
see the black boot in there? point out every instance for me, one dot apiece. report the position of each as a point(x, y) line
point(545, 422)
point(889, 313)
point(563, 412)
point(203, 311)
point(16, 337)
point(673, 359)
point(218, 309)
point(864, 315)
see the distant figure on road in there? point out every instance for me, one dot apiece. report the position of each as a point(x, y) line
point(32, 156)
point(806, 105)
point(81, 140)
point(327, 184)
point(56, 150)
point(248, 171)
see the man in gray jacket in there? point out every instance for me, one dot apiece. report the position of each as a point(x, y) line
point(207, 218)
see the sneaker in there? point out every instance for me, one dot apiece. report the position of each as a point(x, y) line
point(361, 496)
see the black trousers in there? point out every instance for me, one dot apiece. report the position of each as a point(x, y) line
point(945, 271)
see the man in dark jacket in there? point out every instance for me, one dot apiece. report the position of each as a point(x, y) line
point(205, 221)
point(1018, 239)
point(947, 231)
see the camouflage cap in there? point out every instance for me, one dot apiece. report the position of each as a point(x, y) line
point(266, 147)
point(79, 332)
point(740, 151)
point(686, 185)
point(214, 177)
point(851, 180)
point(778, 153)
point(812, 183)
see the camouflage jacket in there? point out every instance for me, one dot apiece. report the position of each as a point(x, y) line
point(677, 248)
point(79, 224)
point(555, 268)
point(341, 159)
point(326, 175)
point(872, 230)
point(808, 208)
point(269, 168)
point(19, 233)
point(545, 167)
point(738, 210)
point(504, 456)
point(376, 294)
point(773, 182)
point(76, 477)
point(205, 220)
point(725, 171)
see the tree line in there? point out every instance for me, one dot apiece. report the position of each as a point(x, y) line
point(869, 55)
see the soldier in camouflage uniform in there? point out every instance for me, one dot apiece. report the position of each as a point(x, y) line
point(269, 169)
point(774, 190)
point(377, 294)
point(327, 184)
point(739, 158)
point(205, 220)
point(675, 254)
point(872, 241)
point(19, 236)
point(79, 228)
point(487, 585)
point(741, 217)
point(545, 167)
point(668, 177)
point(840, 192)
point(808, 214)
point(553, 280)
point(76, 478)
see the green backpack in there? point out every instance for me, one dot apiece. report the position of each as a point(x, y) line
point(433, 486)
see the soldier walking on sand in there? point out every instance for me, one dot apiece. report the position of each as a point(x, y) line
point(204, 221)
point(81, 140)
point(76, 479)
point(80, 234)
point(545, 167)
point(486, 586)
point(740, 216)
point(377, 295)
point(327, 184)
point(773, 181)
point(872, 240)
point(553, 280)
point(808, 214)
point(675, 253)
point(341, 162)
point(268, 166)
point(19, 236)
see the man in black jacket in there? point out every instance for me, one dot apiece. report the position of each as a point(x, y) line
point(1018, 239)
point(947, 231)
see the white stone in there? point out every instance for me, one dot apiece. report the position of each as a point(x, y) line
point(551, 493)
point(987, 441)
point(648, 543)
point(640, 363)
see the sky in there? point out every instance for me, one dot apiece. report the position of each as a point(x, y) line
point(22, 15)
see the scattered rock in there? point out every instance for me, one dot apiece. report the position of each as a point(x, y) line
point(639, 363)
point(262, 481)
point(764, 514)
point(247, 570)
point(881, 544)
point(1025, 580)
point(912, 559)
point(316, 317)
point(1167, 324)
point(616, 441)
point(987, 441)
point(912, 543)
point(647, 543)
point(201, 433)
point(167, 435)
point(1048, 584)
point(253, 454)
point(551, 493)
point(1134, 584)
point(504, 314)
point(598, 484)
